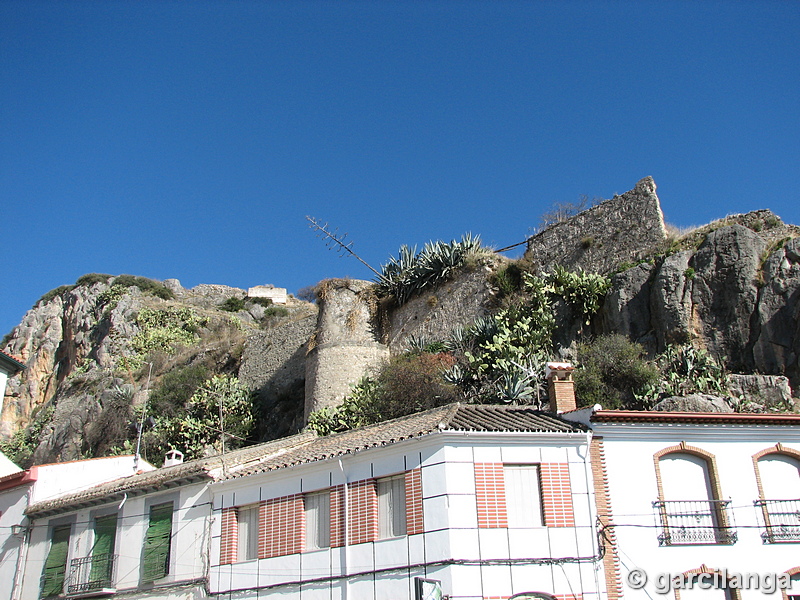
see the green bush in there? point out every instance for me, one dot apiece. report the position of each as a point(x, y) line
point(162, 330)
point(356, 410)
point(407, 384)
point(276, 311)
point(686, 370)
point(148, 286)
point(175, 388)
point(611, 369)
point(92, 278)
point(59, 291)
point(232, 304)
point(410, 383)
point(196, 429)
point(266, 302)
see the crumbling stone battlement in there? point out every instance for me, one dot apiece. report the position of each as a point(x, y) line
point(622, 229)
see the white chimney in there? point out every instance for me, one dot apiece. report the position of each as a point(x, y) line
point(560, 386)
point(173, 457)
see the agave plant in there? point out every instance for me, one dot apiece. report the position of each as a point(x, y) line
point(412, 271)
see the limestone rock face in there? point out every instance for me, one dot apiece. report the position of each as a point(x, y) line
point(725, 292)
point(694, 403)
point(74, 344)
point(776, 325)
point(737, 295)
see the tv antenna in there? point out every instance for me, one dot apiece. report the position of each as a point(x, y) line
point(336, 241)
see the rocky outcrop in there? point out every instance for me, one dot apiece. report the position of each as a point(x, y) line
point(737, 294)
point(694, 403)
point(76, 341)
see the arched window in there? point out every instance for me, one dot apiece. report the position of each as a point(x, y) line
point(778, 477)
point(690, 504)
point(704, 583)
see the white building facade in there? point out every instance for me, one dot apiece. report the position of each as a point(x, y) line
point(44, 483)
point(704, 501)
point(479, 502)
point(474, 502)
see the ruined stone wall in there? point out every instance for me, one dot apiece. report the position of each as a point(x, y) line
point(622, 229)
point(433, 314)
point(346, 345)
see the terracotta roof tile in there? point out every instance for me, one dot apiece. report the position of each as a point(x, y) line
point(634, 416)
point(16, 363)
point(307, 448)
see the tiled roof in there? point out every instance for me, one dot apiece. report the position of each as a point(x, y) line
point(307, 448)
point(12, 361)
point(452, 417)
point(164, 478)
point(695, 418)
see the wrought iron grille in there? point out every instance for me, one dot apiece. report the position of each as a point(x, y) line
point(781, 520)
point(91, 574)
point(695, 522)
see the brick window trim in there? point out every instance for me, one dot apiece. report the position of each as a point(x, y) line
point(281, 523)
point(684, 448)
point(555, 488)
point(734, 593)
point(713, 476)
point(793, 571)
point(776, 450)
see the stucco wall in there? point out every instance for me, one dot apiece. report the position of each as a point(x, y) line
point(629, 450)
point(450, 526)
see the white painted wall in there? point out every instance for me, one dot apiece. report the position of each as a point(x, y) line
point(451, 528)
point(6, 466)
point(190, 531)
point(629, 450)
point(57, 479)
point(12, 507)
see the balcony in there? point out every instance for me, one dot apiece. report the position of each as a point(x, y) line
point(92, 576)
point(781, 520)
point(695, 522)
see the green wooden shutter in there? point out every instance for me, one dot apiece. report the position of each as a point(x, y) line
point(105, 534)
point(55, 567)
point(157, 543)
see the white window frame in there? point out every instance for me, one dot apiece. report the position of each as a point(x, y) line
point(317, 508)
point(523, 490)
point(391, 493)
point(247, 523)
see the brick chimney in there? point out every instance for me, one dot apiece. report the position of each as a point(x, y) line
point(560, 387)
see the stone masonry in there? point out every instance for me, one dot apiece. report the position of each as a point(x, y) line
point(622, 229)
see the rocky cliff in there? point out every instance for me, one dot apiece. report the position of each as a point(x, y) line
point(85, 343)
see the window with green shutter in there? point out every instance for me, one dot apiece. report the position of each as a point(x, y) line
point(105, 534)
point(55, 566)
point(157, 541)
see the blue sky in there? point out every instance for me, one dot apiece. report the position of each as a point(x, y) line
point(189, 140)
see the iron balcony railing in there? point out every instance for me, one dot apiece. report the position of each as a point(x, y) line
point(781, 520)
point(92, 575)
point(695, 522)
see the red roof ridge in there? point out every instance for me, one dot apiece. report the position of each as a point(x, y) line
point(14, 358)
point(643, 416)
